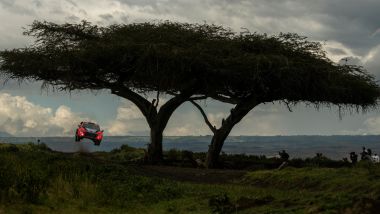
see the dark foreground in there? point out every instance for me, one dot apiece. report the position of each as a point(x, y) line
point(34, 179)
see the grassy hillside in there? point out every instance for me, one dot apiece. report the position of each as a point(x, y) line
point(34, 179)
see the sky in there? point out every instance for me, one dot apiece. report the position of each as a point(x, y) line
point(347, 28)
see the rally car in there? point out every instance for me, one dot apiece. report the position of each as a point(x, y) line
point(90, 131)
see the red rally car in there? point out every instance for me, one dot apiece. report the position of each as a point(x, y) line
point(90, 131)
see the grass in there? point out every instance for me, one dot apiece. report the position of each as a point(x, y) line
point(34, 179)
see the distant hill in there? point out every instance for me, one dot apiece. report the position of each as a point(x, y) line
point(5, 134)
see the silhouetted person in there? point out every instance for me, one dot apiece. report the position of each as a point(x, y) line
point(283, 155)
point(353, 157)
point(318, 155)
point(364, 154)
point(369, 152)
point(376, 158)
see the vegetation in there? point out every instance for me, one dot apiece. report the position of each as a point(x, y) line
point(34, 179)
point(188, 62)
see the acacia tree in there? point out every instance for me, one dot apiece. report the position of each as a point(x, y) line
point(188, 62)
point(129, 60)
point(287, 68)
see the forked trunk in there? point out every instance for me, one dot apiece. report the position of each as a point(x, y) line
point(220, 135)
point(157, 123)
point(157, 120)
point(216, 146)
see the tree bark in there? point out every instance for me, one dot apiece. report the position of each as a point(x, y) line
point(220, 135)
point(216, 146)
point(155, 146)
point(158, 123)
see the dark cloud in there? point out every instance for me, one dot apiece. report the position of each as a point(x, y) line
point(352, 27)
point(73, 18)
point(373, 62)
point(72, 3)
point(107, 17)
point(38, 3)
point(347, 21)
point(351, 61)
point(337, 51)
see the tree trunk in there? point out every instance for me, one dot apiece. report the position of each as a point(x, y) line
point(157, 120)
point(157, 123)
point(222, 133)
point(155, 146)
point(216, 146)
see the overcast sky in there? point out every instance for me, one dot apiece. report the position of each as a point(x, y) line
point(348, 28)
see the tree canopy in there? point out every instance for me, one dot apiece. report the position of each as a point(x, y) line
point(165, 56)
point(188, 62)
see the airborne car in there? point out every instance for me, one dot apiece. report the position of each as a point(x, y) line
point(90, 131)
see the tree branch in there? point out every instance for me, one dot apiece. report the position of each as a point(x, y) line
point(288, 105)
point(143, 104)
point(198, 98)
point(157, 98)
point(224, 99)
point(213, 128)
point(240, 110)
point(170, 106)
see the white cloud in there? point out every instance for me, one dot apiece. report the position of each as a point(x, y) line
point(129, 121)
point(216, 118)
point(337, 51)
point(185, 130)
point(348, 35)
point(20, 117)
point(128, 112)
point(66, 119)
point(257, 123)
point(372, 125)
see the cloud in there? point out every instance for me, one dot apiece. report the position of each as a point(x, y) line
point(353, 32)
point(21, 117)
point(337, 51)
point(370, 126)
point(184, 121)
point(129, 121)
point(265, 119)
point(347, 30)
point(372, 61)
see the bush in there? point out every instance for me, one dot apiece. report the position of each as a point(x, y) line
point(8, 148)
point(173, 155)
point(127, 153)
point(7, 176)
point(30, 184)
point(221, 204)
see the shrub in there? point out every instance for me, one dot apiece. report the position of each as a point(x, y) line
point(30, 184)
point(221, 204)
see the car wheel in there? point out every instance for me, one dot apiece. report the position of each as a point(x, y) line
point(97, 142)
point(76, 138)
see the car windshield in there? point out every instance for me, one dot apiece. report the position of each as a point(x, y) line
point(91, 126)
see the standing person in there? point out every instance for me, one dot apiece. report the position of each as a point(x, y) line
point(375, 158)
point(284, 157)
point(364, 154)
point(353, 157)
